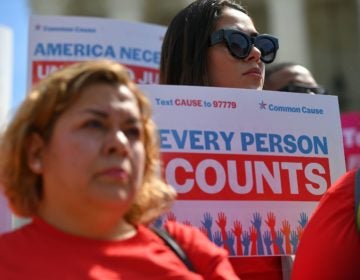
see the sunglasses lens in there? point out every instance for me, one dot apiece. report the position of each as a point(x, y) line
point(303, 89)
point(239, 45)
point(267, 47)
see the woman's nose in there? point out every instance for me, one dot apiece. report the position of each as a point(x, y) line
point(255, 54)
point(118, 143)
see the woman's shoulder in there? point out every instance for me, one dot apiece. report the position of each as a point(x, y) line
point(185, 233)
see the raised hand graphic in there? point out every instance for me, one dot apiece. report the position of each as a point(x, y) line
point(231, 242)
point(221, 222)
point(253, 238)
point(294, 241)
point(246, 242)
point(303, 219)
point(271, 221)
point(286, 232)
point(217, 238)
point(256, 222)
point(300, 231)
point(171, 217)
point(158, 223)
point(279, 240)
point(207, 223)
point(267, 241)
point(204, 231)
point(237, 230)
point(187, 223)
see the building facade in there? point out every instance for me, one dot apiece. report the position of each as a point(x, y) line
point(323, 35)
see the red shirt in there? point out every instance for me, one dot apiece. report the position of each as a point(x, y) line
point(40, 251)
point(330, 245)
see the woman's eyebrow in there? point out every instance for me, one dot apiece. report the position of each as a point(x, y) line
point(103, 114)
point(97, 112)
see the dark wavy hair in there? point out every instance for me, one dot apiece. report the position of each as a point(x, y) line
point(184, 50)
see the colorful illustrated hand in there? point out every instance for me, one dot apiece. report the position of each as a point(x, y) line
point(285, 228)
point(294, 241)
point(300, 231)
point(303, 219)
point(237, 229)
point(253, 234)
point(230, 242)
point(158, 222)
point(246, 242)
point(217, 238)
point(171, 217)
point(267, 241)
point(271, 220)
point(256, 222)
point(204, 231)
point(208, 220)
point(221, 221)
point(279, 241)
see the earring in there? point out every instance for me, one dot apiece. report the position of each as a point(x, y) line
point(36, 166)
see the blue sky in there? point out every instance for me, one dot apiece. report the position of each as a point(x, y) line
point(15, 14)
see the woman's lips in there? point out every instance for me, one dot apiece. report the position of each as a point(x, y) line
point(115, 174)
point(253, 72)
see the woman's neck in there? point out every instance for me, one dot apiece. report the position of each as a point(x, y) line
point(101, 226)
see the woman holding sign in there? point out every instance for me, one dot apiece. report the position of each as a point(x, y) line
point(80, 158)
point(215, 43)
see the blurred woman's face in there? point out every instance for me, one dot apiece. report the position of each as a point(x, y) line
point(95, 158)
point(224, 70)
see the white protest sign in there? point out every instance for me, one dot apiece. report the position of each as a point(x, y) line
point(55, 41)
point(249, 166)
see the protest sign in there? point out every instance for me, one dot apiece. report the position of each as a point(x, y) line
point(55, 41)
point(249, 167)
point(350, 123)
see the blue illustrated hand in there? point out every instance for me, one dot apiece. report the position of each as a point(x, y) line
point(230, 242)
point(267, 241)
point(279, 241)
point(207, 223)
point(217, 238)
point(303, 219)
point(294, 240)
point(246, 242)
point(158, 222)
point(257, 224)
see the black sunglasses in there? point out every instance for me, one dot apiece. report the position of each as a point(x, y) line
point(240, 44)
point(303, 89)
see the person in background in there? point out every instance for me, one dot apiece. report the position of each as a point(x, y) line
point(329, 247)
point(291, 77)
point(215, 43)
point(81, 159)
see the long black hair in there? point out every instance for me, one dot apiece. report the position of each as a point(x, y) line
point(183, 54)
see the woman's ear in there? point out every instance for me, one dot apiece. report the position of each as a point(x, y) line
point(35, 148)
